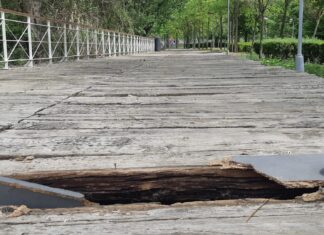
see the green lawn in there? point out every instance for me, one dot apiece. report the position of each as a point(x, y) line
point(317, 69)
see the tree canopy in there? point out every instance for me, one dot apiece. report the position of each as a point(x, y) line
point(186, 19)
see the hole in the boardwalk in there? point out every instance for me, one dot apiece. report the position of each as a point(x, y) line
point(169, 185)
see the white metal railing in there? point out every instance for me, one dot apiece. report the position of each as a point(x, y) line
point(24, 41)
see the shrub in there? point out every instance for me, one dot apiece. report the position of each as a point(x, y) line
point(245, 46)
point(313, 49)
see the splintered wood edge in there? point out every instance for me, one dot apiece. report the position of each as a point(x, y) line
point(110, 171)
point(228, 162)
point(124, 208)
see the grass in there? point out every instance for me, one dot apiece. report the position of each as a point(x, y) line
point(311, 68)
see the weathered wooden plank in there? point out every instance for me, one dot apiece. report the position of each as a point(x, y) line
point(170, 141)
point(194, 218)
point(167, 109)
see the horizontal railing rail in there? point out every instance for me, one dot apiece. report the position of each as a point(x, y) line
point(26, 40)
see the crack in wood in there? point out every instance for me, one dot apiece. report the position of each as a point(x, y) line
point(53, 105)
point(6, 127)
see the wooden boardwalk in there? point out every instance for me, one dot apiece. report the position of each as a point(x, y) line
point(159, 110)
point(168, 109)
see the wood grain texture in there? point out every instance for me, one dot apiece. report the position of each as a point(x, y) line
point(153, 110)
point(195, 218)
point(168, 109)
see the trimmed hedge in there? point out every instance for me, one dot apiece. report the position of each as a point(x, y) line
point(244, 46)
point(313, 49)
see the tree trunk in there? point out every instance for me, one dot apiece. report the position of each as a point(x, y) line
point(236, 13)
point(198, 37)
point(208, 32)
point(254, 34)
point(32, 7)
point(261, 35)
point(318, 20)
point(232, 31)
point(194, 38)
point(214, 34)
point(284, 18)
point(221, 32)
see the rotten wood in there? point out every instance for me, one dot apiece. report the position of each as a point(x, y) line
point(166, 185)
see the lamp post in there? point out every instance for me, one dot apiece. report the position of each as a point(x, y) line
point(299, 57)
point(228, 25)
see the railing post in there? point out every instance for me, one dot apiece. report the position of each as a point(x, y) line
point(131, 44)
point(127, 44)
point(103, 43)
point(119, 46)
point(49, 42)
point(123, 44)
point(142, 44)
point(136, 44)
point(88, 44)
point(96, 42)
point(65, 43)
point(78, 42)
point(30, 42)
point(114, 43)
point(4, 41)
point(147, 45)
point(109, 44)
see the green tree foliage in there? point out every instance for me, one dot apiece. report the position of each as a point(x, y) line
point(143, 17)
point(257, 19)
point(198, 21)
